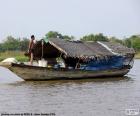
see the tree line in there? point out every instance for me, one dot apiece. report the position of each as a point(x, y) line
point(14, 44)
point(21, 44)
point(131, 42)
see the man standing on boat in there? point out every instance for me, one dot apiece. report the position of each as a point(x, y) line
point(31, 49)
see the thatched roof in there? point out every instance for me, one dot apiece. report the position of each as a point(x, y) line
point(119, 48)
point(79, 49)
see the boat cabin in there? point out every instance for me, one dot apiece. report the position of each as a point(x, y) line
point(83, 55)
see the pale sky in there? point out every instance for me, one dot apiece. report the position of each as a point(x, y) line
point(21, 18)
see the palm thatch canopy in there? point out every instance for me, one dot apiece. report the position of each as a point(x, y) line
point(119, 48)
point(56, 47)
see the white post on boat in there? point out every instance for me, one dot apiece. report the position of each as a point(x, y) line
point(42, 62)
point(42, 43)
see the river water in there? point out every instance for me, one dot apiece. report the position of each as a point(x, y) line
point(86, 97)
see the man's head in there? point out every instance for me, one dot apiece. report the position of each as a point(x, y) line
point(32, 37)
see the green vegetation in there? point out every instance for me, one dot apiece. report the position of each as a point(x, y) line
point(97, 37)
point(15, 54)
point(14, 44)
point(16, 47)
point(55, 34)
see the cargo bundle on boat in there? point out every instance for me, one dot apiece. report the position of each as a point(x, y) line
point(79, 59)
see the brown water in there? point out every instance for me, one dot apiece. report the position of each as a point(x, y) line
point(86, 97)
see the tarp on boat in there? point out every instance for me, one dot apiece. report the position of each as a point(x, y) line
point(102, 64)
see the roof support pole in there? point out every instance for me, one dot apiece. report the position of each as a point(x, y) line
point(42, 43)
point(77, 64)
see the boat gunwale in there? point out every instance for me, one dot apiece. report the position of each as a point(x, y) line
point(64, 69)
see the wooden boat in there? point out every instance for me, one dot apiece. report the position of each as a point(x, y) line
point(28, 72)
point(87, 59)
